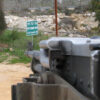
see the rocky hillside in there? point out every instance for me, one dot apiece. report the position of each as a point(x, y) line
point(73, 24)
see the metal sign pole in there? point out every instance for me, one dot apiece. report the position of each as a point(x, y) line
point(56, 20)
point(32, 40)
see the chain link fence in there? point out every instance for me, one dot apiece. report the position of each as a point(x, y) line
point(24, 5)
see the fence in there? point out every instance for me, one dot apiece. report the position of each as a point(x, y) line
point(25, 4)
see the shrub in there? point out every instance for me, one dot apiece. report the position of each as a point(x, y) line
point(9, 36)
point(2, 20)
point(95, 7)
point(14, 35)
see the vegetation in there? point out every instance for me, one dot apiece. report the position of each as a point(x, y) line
point(95, 4)
point(2, 20)
point(3, 57)
point(16, 45)
point(95, 7)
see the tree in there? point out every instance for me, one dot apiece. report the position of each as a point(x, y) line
point(2, 19)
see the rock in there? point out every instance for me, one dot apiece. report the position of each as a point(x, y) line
point(7, 54)
point(90, 14)
point(93, 14)
point(45, 33)
point(62, 31)
point(52, 28)
point(11, 49)
point(71, 35)
point(68, 22)
point(72, 24)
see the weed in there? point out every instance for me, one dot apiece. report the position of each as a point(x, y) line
point(17, 44)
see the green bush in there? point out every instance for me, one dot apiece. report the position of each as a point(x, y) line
point(14, 35)
point(17, 45)
point(9, 36)
point(67, 12)
point(98, 18)
point(95, 7)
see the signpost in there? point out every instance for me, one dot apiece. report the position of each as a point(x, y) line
point(56, 18)
point(32, 29)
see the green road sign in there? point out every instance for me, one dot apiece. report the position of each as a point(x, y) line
point(32, 28)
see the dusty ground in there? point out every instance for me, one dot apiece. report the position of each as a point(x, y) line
point(11, 74)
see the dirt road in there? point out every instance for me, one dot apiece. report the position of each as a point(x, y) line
point(11, 74)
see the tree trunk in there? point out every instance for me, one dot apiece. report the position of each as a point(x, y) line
point(2, 19)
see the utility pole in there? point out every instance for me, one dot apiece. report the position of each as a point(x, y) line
point(56, 18)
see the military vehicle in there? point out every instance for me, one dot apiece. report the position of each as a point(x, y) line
point(64, 69)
